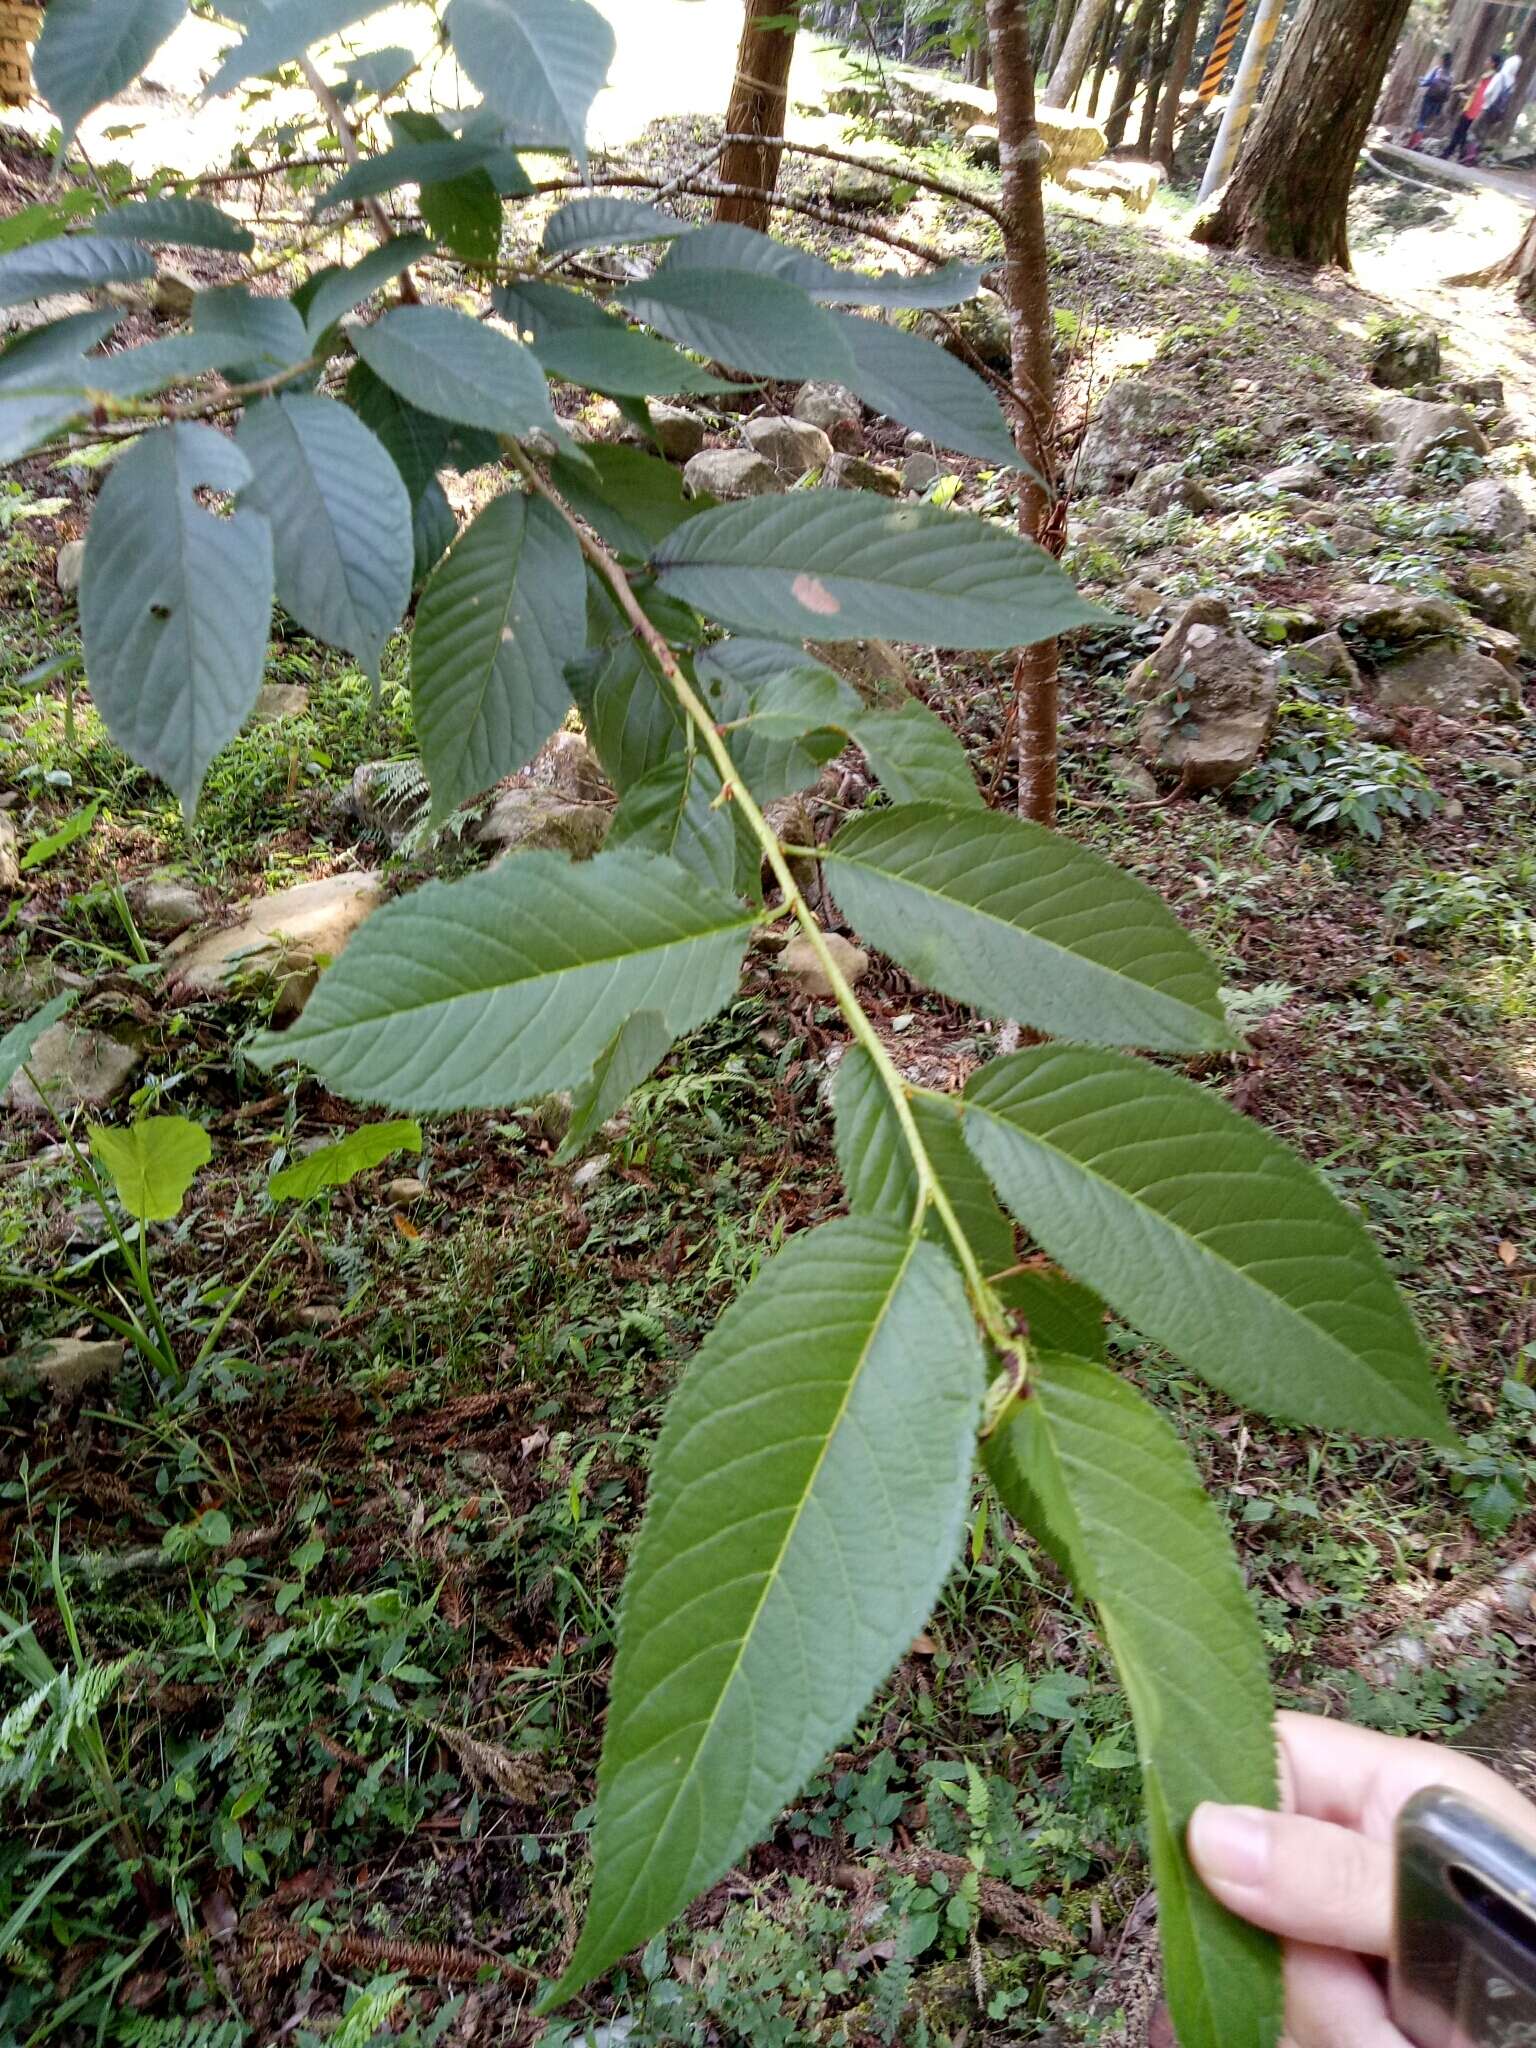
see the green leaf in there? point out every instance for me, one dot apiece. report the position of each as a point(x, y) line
point(724, 246)
point(847, 565)
point(879, 1174)
point(633, 1053)
point(417, 441)
point(255, 336)
point(464, 211)
point(916, 757)
point(48, 217)
point(538, 310)
point(617, 360)
point(809, 1491)
point(631, 499)
point(632, 720)
point(737, 681)
point(341, 521)
point(459, 368)
point(43, 270)
point(674, 810)
point(90, 49)
point(16, 1045)
point(762, 325)
point(343, 289)
point(493, 632)
point(188, 223)
point(924, 387)
point(152, 1163)
point(134, 372)
point(1205, 1233)
point(446, 160)
point(434, 529)
point(285, 29)
point(48, 844)
point(333, 1166)
point(175, 603)
point(539, 63)
point(1061, 1314)
point(601, 222)
point(1018, 922)
point(507, 985)
point(1104, 1482)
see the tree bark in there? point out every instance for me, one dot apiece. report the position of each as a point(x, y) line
point(1062, 18)
point(1289, 195)
point(759, 94)
point(1128, 75)
point(1027, 294)
point(1180, 64)
point(1072, 65)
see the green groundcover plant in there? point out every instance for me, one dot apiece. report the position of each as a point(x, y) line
point(812, 1480)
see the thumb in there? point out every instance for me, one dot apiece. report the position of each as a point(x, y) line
point(1302, 1878)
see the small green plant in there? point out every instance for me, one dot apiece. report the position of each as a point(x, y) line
point(1321, 775)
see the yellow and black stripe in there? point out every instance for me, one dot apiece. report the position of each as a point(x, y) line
point(1221, 49)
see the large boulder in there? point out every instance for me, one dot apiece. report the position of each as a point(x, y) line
point(836, 410)
point(282, 940)
point(1504, 595)
point(1415, 425)
point(1448, 676)
point(1378, 616)
point(859, 189)
point(1123, 436)
point(1208, 699)
point(1491, 512)
point(794, 447)
point(539, 820)
point(1405, 353)
point(77, 1067)
point(278, 701)
point(730, 473)
point(801, 967)
point(1072, 139)
point(1134, 186)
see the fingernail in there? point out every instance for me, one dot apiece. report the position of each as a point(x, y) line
point(1231, 1843)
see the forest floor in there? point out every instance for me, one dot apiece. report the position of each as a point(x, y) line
point(363, 1564)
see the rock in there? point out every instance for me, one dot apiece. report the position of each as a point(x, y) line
point(679, 432)
point(1352, 540)
point(1415, 425)
point(386, 799)
point(401, 1193)
point(1479, 390)
point(1491, 512)
point(1393, 618)
point(538, 820)
point(175, 293)
point(981, 144)
point(1123, 434)
point(1140, 599)
point(1303, 479)
point(1136, 781)
point(918, 472)
point(79, 1067)
point(282, 938)
point(836, 410)
point(730, 473)
point(1504, 595)
point(858, 188)
point(804, 972)
point(1504, 647)
point(1321, 661)
point(10, 855)
point(1448, 676)
point(1072, 139)
point(1403, 354)
point(794, 447)
point(979, 327)
point(858, 473)
point(277, 701)
point(567, 765)
point(1165, 488)
point(67, 569)
point(1208, 699)
point(1134, 185)
point(163, 908)
point(68, 1365)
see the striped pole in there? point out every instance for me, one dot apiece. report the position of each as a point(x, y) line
point(1226, 36)
point(1245, 90)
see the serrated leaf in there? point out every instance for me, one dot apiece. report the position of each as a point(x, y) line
point(601, 222)
point(343, 289)
point(416, 441)
point(1101, 1478)
point(485, 992)
point(848, 565)
point(152, 1163)
point(924, 387)
point(673, 810)
point(333, 1166)
point(764, 326)
point(175, 603)
point(458, 368)
point(494, 630)
point(17, 1043)
point(285, 29)
point(1205, 1233)
point(879, 1174)
point(42, 270)
point(90, 49)
point(539, 63)
point(1018, 922)
point(434, 528)
point(188, 223)
point(727, 246)
point(1061, 1314)
point(633, 1053)
point(808, 1495)
point(465, 210)
point(623, 363)
point(341, 521)
point(540, 310)
point(631, 499)
point(631, 718)
point(916, 757)
point(253, 336)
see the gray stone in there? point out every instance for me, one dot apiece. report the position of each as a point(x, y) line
point(801, 968)
point(919, 471)
point(678, 433)
point(1448, 676)
point(67, 569)
point(402, 1192)
point(1394, 618)
point(10, 855)
point(1321, 661)
point(79, 1067)
point(982, 145)
point(1404, 354)
point(794, 447)
point(539, 820)
point(1072, 139)
point(1479, 390)
point(1491, 512)
point(1503, 594)
point(68, 1365)
point(731, 473)
point(1504, 647)
point(1303, 479)
point(566, 765)
point(858, 188)
point(1208, 699)
point(858, 473)
point(1165, 488)
point(282, 939)
point(1415, 425)
point(175, 293)
point(1131, 776)
point(163, 908)
point(1133, 186)
point(277, 701)
point(979, 327)
point(836, 410)
point(1124, 433)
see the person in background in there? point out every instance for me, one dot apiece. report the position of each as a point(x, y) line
point(1469, 113)
point(1496, 104)
point(1435, 86)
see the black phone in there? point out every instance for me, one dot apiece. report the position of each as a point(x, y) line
point(1463, 1967)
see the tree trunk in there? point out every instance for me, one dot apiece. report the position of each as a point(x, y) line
point(758, 96)
point(1114, 25)
point(1072, 65)
point(1290, 192)
point(1159, 53)
point(1180, 64)
point(1128, 76)
point(1520, 265)
point(1398, 105)
point(1062, 18)
point(1026, 291)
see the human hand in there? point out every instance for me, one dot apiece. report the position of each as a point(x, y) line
point(1320, 1872)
